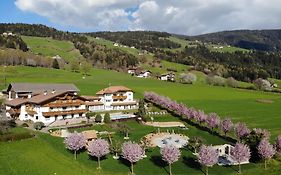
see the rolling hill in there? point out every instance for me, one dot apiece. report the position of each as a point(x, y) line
point(264, 40)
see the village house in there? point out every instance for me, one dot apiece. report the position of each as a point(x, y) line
point(117, 98)
point(144, 74)
point(44, 102)
point(167, 77)
point(132, 71)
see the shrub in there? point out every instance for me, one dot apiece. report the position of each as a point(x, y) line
point(188, 78)
point(25, 125)
point(262, 84)
point(231, 82)
point(215, 80)
point(98, 118)
point(15, 136)
point(107, 118)
point(38, 125)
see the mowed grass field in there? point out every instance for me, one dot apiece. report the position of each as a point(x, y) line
point(50, 47)
point(45, 154)
point(240, 105)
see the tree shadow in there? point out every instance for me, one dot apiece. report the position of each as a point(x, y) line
point(157, 160)
point(125, 162)
point(192, 163)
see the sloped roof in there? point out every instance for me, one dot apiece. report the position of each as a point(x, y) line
point(113, 89)
point(16, 102)
point(35, 87)
point(38, 99)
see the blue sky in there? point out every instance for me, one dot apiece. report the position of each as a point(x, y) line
point(188, 17)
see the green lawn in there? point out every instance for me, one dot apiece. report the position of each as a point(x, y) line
point(47, 155)
point(51, 47)
point(239, 104)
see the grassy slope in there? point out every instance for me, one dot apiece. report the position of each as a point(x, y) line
point(241, 105)
point(185, 43)
point(51, 47)
point(48, 155)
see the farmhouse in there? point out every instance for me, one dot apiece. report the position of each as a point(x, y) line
point(167, 77)
point(117, 98)
point(132, 71)
point(144, 74)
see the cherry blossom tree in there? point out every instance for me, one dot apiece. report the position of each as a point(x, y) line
point(98, 148)
point(200, 116)
point(213, 120)
point(75, 142)
point(207, 156)
point(240, 153)
point(170, 154)
point(226, 125)
point(278, 144)
point(263, 133)
point(241, 131)
point(132, 152)
point(266, 150)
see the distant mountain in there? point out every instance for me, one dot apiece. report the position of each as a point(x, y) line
point(263, 40)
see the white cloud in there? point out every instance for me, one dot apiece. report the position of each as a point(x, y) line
point(175, 16)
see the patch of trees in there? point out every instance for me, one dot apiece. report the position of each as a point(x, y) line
point(264, 40)
point(13, 42)
point(40, 30)
point(104, 57)
point(13, 57)
point(144, 40)
point(239, 65)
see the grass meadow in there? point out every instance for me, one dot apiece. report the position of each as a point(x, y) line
point(45, 154)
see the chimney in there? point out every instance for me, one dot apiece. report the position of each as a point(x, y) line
point(45, 92)
point(54, 91)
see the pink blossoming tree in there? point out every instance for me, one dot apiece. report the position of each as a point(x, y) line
point(98, 148)
point(75, 142)
point(241, 131)
point(170, 154)
point(207, 156)
point(226, 126)
point(213, 120)
point(132, 152)
point(265, 150)
point(240, 153)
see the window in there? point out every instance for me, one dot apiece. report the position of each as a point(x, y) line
point(36, 117)
point(76, 107)
point(64, 108)
point(107, 100)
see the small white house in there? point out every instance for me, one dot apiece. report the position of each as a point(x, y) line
point(167, 77)
point(144, 74)
point(116, 45)
point(225, 157)
point(132, 71)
